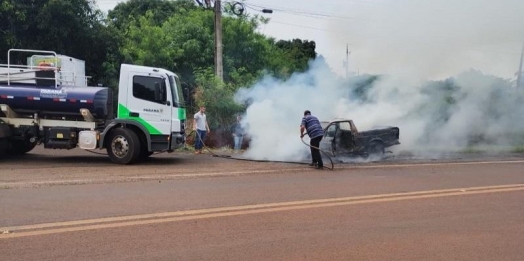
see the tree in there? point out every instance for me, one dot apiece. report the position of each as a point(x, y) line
point(298, 52)
point(10, 19)
point(246, 52)
point(160, 11)
point(146, 44)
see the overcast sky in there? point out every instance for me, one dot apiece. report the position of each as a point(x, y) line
point(430, 38)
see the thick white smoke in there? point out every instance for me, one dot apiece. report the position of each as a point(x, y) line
point(438, 116)
point(276, 108)
point(434, 60)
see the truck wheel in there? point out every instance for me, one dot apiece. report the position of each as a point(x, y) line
point(20, 147)
point(376, 149)
point(123, 146)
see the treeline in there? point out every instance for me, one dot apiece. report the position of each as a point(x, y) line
point(175, 35)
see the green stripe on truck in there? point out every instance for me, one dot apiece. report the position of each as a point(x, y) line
point(123, 113)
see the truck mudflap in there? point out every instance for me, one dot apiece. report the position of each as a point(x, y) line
point(5, 132)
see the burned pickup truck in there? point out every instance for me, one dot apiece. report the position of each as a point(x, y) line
point(342, 139)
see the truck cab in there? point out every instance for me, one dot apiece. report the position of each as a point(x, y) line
point(153, 98)
point(339, 136)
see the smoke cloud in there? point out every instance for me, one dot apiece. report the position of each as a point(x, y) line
point(442, 71)
point(471, 108)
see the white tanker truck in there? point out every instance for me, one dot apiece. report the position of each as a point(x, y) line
point(47, 101)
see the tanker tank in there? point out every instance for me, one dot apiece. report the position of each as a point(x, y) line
point(60, 101)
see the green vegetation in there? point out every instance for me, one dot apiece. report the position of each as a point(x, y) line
point(518, 149)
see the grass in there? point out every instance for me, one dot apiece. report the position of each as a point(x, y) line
point(518, 149)
point(472, 150)
point(465, 150)
point(224, 149)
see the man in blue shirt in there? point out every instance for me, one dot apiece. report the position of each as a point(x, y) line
point(312, 126)
point(238, 134)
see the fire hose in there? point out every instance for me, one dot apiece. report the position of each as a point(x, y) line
point(229, 157)
point(321, 150)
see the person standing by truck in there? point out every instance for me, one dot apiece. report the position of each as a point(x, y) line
point(238, 134)
point(201, 127)
point(314, 130)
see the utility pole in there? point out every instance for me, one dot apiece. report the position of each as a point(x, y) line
point(346, 62)
point(519, 73)
point(219, 71)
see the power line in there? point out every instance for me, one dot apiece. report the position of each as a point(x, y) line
point(303, 26)
point(323, 15)
point(299, 12)
point(303, 15)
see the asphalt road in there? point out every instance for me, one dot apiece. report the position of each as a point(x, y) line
point(57, 205)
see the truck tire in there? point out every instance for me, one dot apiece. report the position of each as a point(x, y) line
point(20, 147)
point(376, 150)
point(123, 146)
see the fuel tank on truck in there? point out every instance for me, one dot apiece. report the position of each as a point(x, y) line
point(59, 101)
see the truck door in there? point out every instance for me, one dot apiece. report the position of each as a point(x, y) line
point(149, 102)
point(344, 137)
point(328, 143)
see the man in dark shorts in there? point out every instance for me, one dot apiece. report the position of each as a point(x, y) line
point(312, 126)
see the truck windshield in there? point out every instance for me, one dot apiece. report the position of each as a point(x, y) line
point(176, 90)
